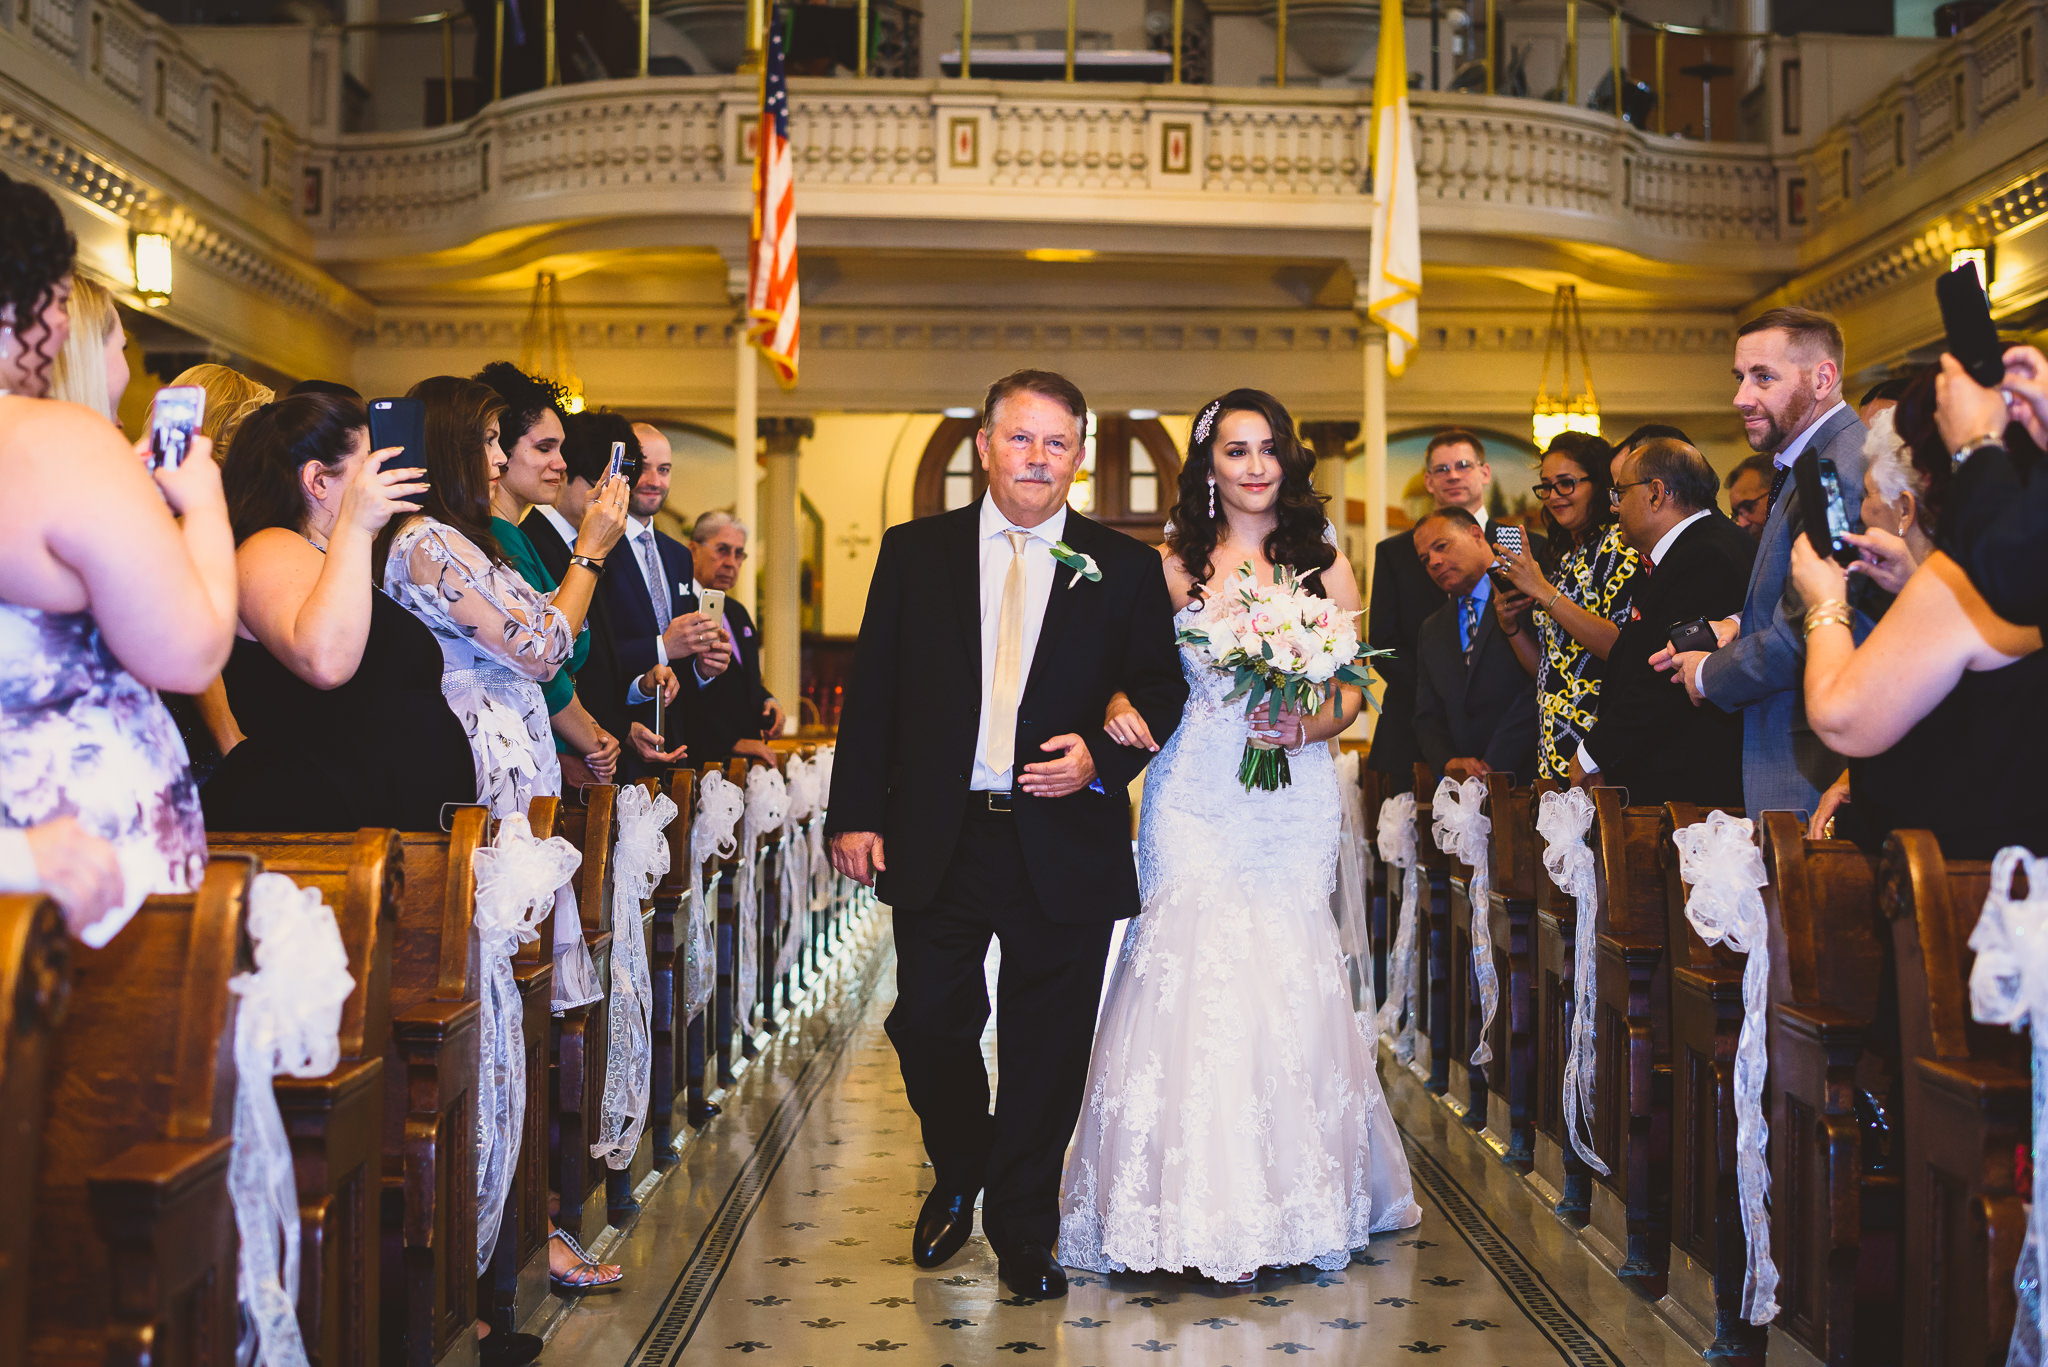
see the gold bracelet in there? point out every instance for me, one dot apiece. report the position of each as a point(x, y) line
point(1818, 618)
point(1553, 598)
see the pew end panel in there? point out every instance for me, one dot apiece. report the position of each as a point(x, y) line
point(35, 993)
point(1514, 867)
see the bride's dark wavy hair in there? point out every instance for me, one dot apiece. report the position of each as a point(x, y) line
point(1296, 539)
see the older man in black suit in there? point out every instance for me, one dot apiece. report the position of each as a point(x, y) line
point(1649, 737)
point(1475, 706)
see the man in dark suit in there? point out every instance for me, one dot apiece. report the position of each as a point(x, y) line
point(1475, 706)
point(1788, 370)
point(1648, 737)
point(974, 776)
point(732, 709)
point(621, 703)
point(1457, 475)
point(642, 592)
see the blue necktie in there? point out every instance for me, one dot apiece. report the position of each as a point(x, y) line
point(1468, 623)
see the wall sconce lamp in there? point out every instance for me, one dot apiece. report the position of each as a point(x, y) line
point(152, 253)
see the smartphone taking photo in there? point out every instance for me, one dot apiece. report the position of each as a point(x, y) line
point(712, 605)
point(1966, 316)
point(1508, 537)
point(174, 415)
point(618, 463)
point(1823, 510)
point(401, 423)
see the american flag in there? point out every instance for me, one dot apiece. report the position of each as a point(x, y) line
point(771, 269)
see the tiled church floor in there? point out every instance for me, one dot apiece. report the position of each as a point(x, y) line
point(784, 1237)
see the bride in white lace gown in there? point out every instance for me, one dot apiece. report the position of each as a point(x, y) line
point(1234, 1118)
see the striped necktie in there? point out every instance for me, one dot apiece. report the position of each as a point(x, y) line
point(1468, 623)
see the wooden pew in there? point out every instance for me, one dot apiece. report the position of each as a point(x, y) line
point(430, 1101)
point(1556, 1171)
point(336, 1122)
point(1835, 1221)
point(1433, 931)
point(35, 990)
point(679, 1034)
point(1629, 1217)
point(579, 1039)
point(1967, 1092)
point(133, 1235)
point(1516, 863)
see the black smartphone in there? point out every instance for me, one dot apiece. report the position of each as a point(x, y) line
point(1698, 634)
point(1822, 509)
point(401, 423)
point(1508, 537)
point(174, 415)
point(1972, 336)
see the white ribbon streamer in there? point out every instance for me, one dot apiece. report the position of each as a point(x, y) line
point(767, 807)
point(1461, 830)
point(638, 864)
point(794, 886)
point(2009, 986)
point(821, 860)
point(516, 878)
point(1404, 979)
point(719, 807)
point(1564, 819)
point(289, 1022)
point(1351, 896)
point(1719, 859)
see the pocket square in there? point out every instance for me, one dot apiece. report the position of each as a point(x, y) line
point(1096, 787)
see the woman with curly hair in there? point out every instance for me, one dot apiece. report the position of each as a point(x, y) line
point(113, 584)
point(1577, 615)
point(1230, 990)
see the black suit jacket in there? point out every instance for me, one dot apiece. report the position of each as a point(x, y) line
point(1402, 596)
point(1484, 710)
point(624, 589)
point(1647, 736)
point(913, 710)
point(601, 686)
point(727, 709)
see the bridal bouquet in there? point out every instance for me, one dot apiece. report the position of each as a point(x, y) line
point(1283, 645)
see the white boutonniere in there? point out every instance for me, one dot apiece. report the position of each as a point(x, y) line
point(1083, 566)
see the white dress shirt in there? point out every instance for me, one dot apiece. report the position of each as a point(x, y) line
point(1657, 553)
point(1793, 448)
point(1039, 571)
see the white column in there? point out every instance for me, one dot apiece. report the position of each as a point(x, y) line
point(780, 557)
point(1375, 434)
point(746, 469)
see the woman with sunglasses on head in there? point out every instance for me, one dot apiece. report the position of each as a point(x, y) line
point(1579, 613)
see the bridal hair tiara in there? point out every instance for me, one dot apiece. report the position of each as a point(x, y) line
point(1207, 420)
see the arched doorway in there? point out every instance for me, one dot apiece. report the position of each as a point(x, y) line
point(1130, 472)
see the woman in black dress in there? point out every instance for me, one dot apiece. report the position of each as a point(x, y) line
point(337, 687)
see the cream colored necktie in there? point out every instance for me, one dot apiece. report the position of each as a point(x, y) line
point(1002, 702)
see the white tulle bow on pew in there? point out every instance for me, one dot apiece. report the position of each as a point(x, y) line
point(1719, 860)
point(1350, 899)
point(289, 1022)
point(638, 864)
point(1404, 983)
point(794, 886)
point(1461, 829)
point(720, 804)
point(767, 806)
point(1564, 820)
point(516, 878)
point(2009, 986)
point(821, 861)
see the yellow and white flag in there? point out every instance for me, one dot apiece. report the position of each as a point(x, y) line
point(1394, 281)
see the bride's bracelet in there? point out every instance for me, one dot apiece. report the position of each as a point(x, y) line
point(1294, 751)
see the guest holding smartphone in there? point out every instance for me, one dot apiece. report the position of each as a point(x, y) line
point(337, 687)
point(113, 584)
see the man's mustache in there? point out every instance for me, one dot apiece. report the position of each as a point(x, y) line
point(1034, 474)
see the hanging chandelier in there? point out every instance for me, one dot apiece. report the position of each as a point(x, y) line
point(544, 342)
point(1567, 411)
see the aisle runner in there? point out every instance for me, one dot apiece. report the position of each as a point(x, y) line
point(805, 1263)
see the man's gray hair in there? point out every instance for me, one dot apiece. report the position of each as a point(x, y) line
point(712, 523)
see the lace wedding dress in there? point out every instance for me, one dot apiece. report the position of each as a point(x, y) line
point(1234, 1118)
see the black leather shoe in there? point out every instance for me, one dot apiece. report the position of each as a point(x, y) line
point(501, 1349)
point(701, 1113)
point(942, 1227)
point(1031, 1270)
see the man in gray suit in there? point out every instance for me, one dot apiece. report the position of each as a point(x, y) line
point(1788, 372)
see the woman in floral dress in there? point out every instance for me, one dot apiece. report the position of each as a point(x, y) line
point(1577, 617)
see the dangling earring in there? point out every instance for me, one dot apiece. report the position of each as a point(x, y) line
point(1212, 498)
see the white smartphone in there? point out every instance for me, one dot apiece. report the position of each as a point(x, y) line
point(712, 604)
point(618, 465)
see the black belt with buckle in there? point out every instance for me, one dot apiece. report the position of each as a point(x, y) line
point(991, 804)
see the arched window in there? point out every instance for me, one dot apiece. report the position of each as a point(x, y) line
point(1130, 472)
